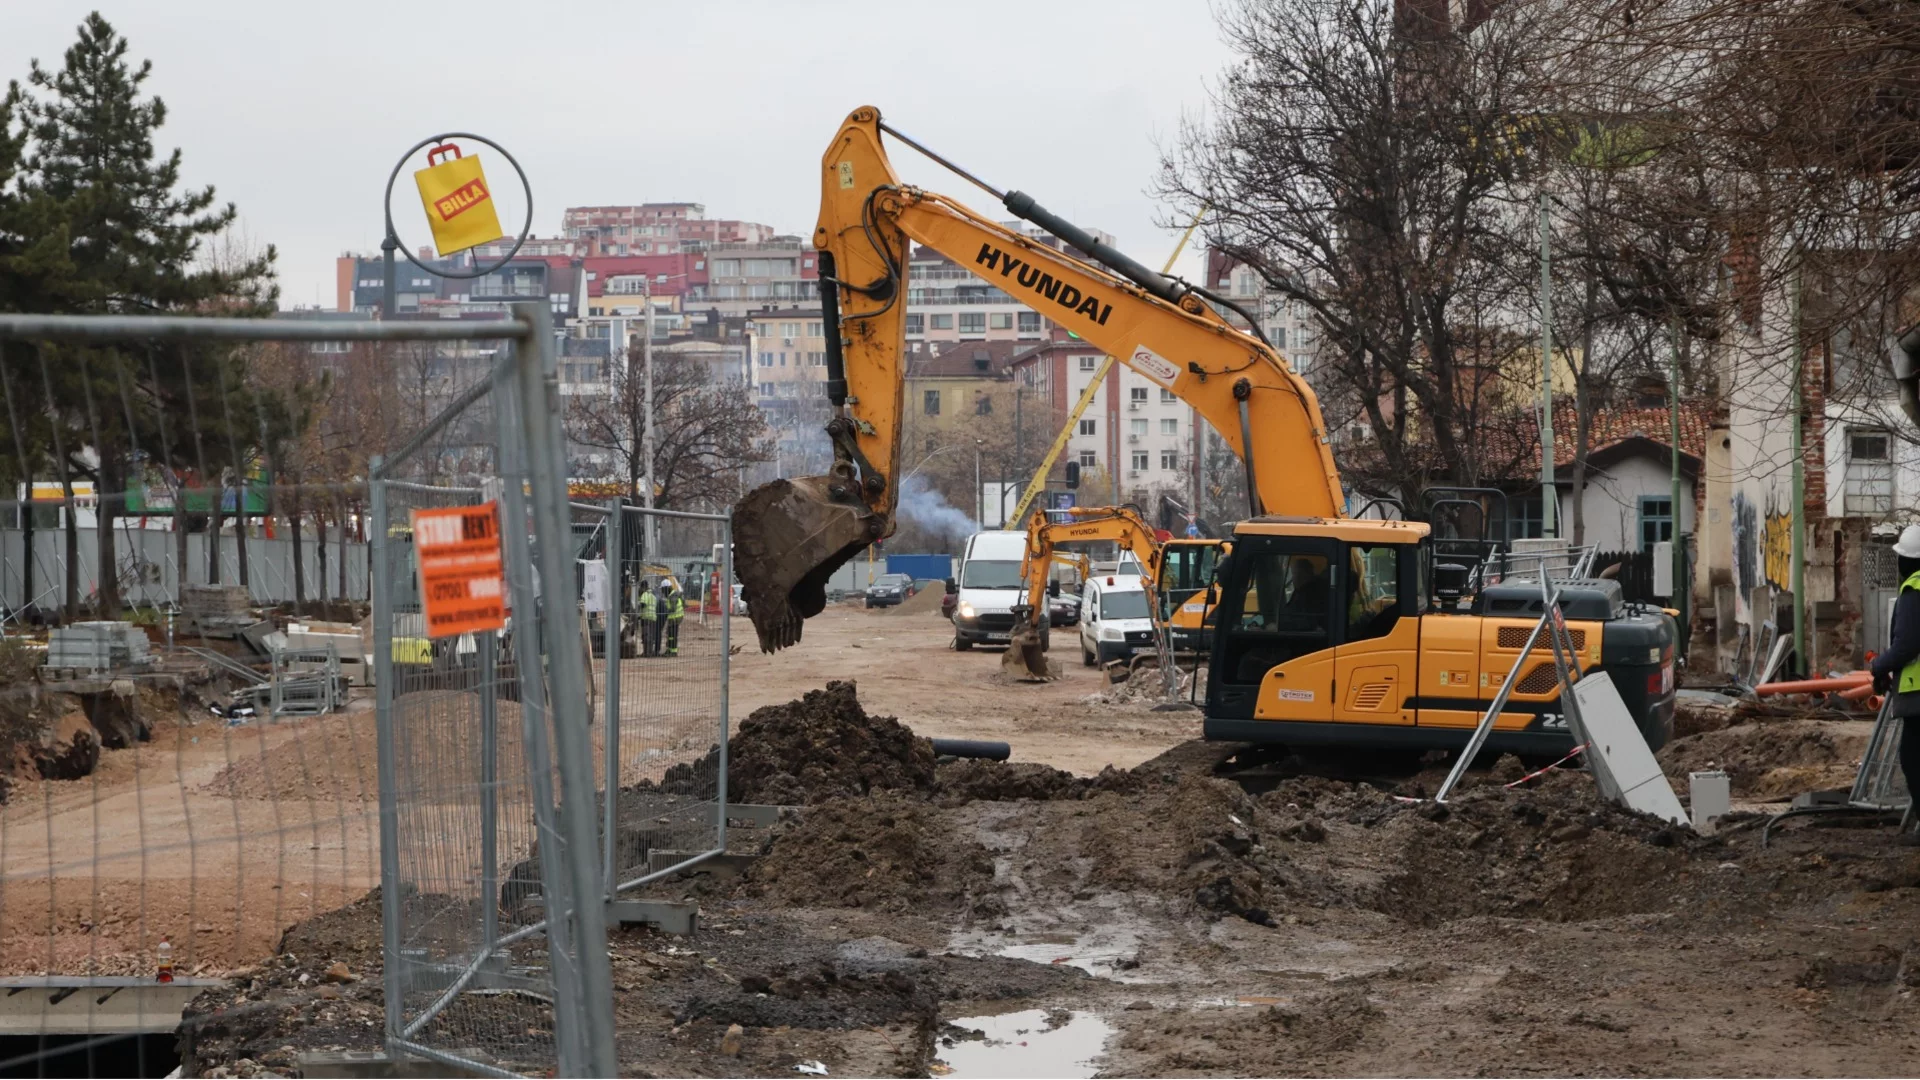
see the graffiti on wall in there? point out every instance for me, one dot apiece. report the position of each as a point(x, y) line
point(1746, 553)
point(1776, 553)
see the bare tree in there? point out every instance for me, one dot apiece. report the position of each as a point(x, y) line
point(1362, 160)
point(705, 434)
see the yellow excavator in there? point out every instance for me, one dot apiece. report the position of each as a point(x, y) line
point(1026, 649)
point(1329, 629)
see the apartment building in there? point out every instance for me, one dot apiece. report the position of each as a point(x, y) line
point(655, 229)
point(1289, 325)
point(743, 278)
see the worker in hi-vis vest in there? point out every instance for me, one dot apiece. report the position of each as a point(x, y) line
point(1897, 668)
point(649, 621)
point(676, 609)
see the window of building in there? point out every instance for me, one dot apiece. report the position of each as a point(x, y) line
point(1167, 397)
point(1169, 426)
point(330, 347)
point(1526, 517)
point(1000, 320)
point(1089, 459)
point(1089, 427)
point(943, 322)
point(766, 359)
point(982, 403)
point(1249, 283)
point(1656, 520)
point(916, 324)
point(973, 322)
point(1136, 427)
point(1089, 363)
point(1170, 460)
point(783, 358)
point(1869, 472)
point(788, 329)
point(1029, 322)
point(1137, 394)
point(816, 359)
point(1139, 461)
point(1278, 335)
point(930, 403)
point(813, 329)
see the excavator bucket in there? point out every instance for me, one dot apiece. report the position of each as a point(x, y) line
point(1026, 655)
point(789, 537)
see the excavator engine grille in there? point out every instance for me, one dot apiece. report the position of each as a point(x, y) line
point(1541, 680)
point(1369, 697)
point(1515, 637)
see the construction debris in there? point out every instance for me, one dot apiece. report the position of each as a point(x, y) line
point(98, 646)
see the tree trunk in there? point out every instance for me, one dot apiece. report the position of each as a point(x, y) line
point(26, 539)
point(106, 495)
point(299, 562)
point(179, 544)
point(1583, 414)
point(216, 495)
point(240, 535)
point(320, 551)
point(72, 530)
point(345, 516)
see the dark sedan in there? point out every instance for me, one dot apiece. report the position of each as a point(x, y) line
point(888, 590)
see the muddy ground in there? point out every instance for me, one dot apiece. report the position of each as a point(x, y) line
point(1157, 918)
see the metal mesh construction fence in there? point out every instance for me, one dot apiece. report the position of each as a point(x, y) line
point(663, 643)
point(213, 831)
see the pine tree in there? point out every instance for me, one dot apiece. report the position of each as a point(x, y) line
point(135, 240)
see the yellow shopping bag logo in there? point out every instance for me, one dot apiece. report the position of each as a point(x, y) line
point(459, 205)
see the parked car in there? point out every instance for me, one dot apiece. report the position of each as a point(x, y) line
point(1063, 609)
point(888, 590)
point(1116, 621)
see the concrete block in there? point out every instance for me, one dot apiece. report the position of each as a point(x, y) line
point(1709, 796)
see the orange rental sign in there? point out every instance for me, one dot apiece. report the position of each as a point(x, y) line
point(462, 588)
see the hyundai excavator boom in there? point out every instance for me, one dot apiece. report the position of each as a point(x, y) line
point(791, 535)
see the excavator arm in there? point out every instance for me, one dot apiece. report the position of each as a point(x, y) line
point(1025, 655)
point(790, 535)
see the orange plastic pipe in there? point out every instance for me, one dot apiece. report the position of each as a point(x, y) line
point(1859, 692)
point(1814, 686)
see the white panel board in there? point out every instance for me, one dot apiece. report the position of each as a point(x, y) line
point(1622, 751)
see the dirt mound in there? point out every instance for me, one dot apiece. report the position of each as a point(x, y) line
point(1555, 852)
point(1772, 759)
point(1002, 781)
point(1198, 837)
point(1240, 1042)
point(327, 759)
point(888, 853)
point(926, 601)
point(823, 746)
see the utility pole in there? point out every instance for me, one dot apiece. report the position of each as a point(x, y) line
point(650, 534)
point(1682, 595)
point(1798, 516)
point(1548, 495)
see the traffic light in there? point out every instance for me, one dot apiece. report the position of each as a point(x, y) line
point(1073, 475)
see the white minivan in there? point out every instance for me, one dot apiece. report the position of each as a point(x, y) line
point(1115, 620)
point(988, 587)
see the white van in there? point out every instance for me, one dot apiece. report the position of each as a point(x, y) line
point(1115, 619)
point(989, 587)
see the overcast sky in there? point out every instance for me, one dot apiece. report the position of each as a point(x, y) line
point(297, 112)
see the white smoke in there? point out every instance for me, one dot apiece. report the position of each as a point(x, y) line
point(928, 509)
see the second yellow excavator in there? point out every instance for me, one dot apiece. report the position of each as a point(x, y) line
point(1329, 629)
point(1026, 649)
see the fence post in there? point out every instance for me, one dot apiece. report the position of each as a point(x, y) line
point(385, 756)
point(616, 541)
point(546, 469)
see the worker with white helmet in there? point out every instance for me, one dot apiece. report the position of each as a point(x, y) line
point(1897, 668)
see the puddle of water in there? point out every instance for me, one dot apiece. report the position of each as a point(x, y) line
point(1096, 952)
point(1020, 1044)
